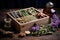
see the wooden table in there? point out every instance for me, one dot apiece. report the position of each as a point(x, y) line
point(54, 36)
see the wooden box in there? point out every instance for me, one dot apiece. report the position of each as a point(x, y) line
point(26, 26)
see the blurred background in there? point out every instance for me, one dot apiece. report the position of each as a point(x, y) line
point(9, 4)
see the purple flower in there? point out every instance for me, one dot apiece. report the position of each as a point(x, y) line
point(37, 27)
point(34, 28)
point(54, 24)
point(56, 21)
point(55, 17)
